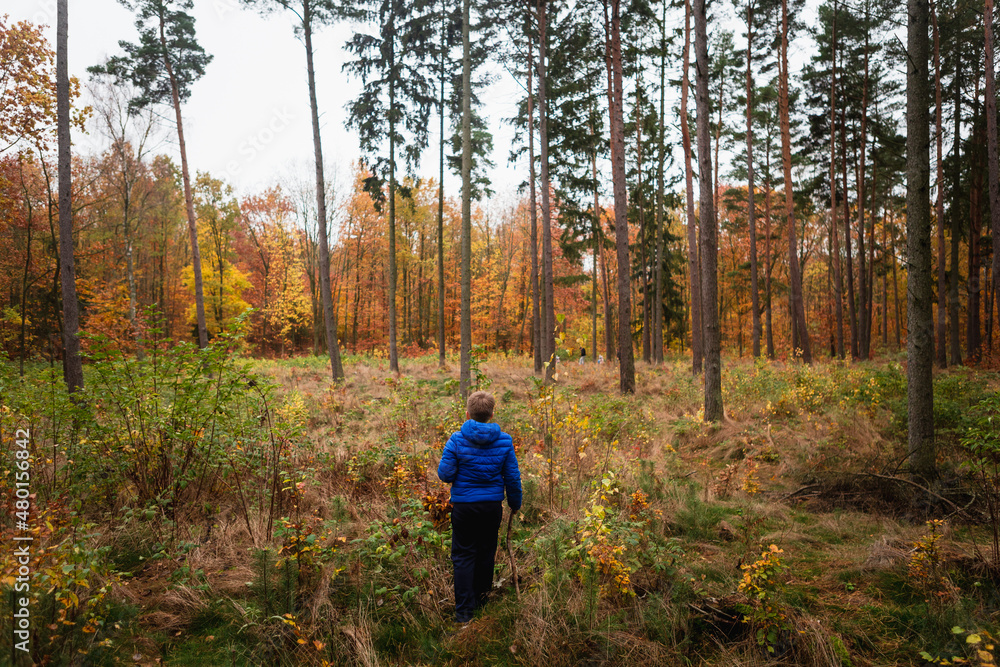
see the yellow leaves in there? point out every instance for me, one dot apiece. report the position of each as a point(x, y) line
point(27, 98)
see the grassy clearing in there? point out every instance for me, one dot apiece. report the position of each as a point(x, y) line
point(214, 510)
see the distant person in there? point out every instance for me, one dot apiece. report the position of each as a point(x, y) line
point(600, 359)
point(480, 464)
point(583, 355)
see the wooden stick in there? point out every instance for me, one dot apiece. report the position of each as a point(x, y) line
point(510, 555)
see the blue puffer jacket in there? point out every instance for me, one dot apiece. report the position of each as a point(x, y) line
point(479, 463)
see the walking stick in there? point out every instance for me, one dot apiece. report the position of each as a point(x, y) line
point(510, 555)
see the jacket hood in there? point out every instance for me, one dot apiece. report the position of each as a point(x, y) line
point(479, 433)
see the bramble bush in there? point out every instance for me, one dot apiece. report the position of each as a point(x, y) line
point(176, 434)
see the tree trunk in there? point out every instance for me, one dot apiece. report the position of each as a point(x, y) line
point(795, 280)
point(440, 212)
point(613, 57)
point(895, 291)
point(199, 298)
point(466, 324)
point(593, 296)
point(329, 314)
point(72, 362)
point(919, 314)
point(420, 292)
point(549, 317)
point(870, 316)
point(941, 347)
point(769, 328)
point(393, 352)
point(694, 264)
point(838, 280)
point(955, 347)
point(751, 206)
point(864, 324)
point(524, 309)
point(643, 264)
point(994, 170)
point(609, 335)
point(660, 156)
point(709, 231)
point(972, 334)
point(885, 286)
point(852, 304)
point(536, 322)
point(127, 232)
point(598, 238)
point(27, 268)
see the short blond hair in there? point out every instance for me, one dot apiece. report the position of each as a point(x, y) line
point(480, 406)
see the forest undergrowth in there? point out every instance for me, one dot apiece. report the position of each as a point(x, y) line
point(202, 508)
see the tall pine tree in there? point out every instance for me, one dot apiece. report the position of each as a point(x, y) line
point(392, 113)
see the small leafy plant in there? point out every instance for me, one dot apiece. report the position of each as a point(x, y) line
point(761, 583)
point(980, 648)
point(926, 569)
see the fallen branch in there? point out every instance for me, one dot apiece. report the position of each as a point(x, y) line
point(800, 490)
point(916, 486)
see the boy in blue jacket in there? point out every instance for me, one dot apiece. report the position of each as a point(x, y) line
point(480, 464)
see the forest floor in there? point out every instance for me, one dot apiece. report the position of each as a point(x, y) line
point(789, 534)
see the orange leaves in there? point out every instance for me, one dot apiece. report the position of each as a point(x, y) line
point(27, 86)
point(272, 252)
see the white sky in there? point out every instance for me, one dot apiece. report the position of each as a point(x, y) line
point(247, 120)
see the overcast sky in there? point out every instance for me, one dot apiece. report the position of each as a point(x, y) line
point(247, 120)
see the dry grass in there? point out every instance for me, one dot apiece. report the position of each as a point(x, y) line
point(556, 621)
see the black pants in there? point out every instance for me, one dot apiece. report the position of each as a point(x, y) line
point(474, 529)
